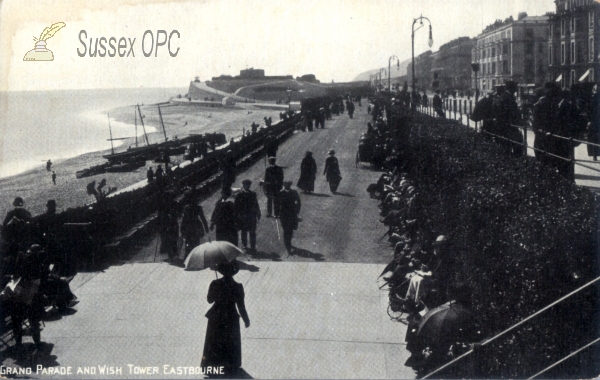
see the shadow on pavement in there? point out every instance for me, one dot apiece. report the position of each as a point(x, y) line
point(308, 254)
point(28, 356)
point(318, 195)
point(587, 177)
point(261, 255)
point(345, 195)
point(249, 267)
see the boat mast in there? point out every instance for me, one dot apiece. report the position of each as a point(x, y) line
point(112, 148)
point(143, 126)
point(161, 123)
point(135, 115)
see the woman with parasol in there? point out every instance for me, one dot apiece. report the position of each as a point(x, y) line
point(223, 342)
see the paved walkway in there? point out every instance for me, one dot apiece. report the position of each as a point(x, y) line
point(308, 320)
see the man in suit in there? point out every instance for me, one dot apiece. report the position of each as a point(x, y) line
point(289, 208)
point(272, 186)
point(248, 214)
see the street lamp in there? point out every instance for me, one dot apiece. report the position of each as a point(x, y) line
point(289, 92)
point(390, 72)
point(430, 43)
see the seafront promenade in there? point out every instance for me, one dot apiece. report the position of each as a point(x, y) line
point(317, 314)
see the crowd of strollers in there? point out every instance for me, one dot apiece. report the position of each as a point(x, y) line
point(422, 292)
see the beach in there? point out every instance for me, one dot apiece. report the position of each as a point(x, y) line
point(35, 185)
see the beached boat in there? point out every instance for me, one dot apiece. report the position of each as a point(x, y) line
point(94, 170)
point(125, 166)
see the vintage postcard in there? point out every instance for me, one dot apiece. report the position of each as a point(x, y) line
point(299, 189)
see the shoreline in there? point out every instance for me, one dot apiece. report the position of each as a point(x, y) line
point(35, 185)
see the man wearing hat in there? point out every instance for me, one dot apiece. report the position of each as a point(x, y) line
point(508, 114)
point(248, 214)
point(289, 208)
point(332, 171)
point(15, 228)
point(272, 186)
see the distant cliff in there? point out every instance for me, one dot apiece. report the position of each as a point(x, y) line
point(395, 72)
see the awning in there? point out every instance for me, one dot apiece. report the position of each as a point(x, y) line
point(559, 78)
point(584, 75)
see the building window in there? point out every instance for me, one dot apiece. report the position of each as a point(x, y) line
point(505, 49)
point(550, 55)
point(562, 53)
point(505, 68)
point(483, 54)
point(529, 33)
point(529, 48)
point(493, 83)
point(591, 49)
point(572, 51)
point(551, 30)
point(591, 74)
point(493, 67)
point(591, 18)
point(493, 52)
point(572, 77)
point(562, 27)
point(572, 26)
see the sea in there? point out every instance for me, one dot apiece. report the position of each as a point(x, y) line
point(36, 126)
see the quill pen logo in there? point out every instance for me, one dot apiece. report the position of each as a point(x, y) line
point(41, 53)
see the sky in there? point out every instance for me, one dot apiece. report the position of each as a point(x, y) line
point(333, 39)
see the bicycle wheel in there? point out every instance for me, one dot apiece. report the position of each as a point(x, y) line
point(395, 315)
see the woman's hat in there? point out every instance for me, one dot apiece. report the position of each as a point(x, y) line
point(228, 268)
point(51, 203)
point(247, 181)
point(308, 153)
point(331, 151)
point(18, 202)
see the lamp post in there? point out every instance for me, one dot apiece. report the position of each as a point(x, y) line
point(430, 43)
point(289, 92)
point(475, 67)
point(390, 72)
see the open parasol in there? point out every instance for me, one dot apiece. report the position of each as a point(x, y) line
point(208, 255)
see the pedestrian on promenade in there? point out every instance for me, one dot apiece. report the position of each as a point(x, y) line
point(150, 174)
point(169, 232)
point(248, 214)
point(223, 341)
point(53, 177)
point(228, 169)
point(159, 175)
point(33, 274)
point(224, 218)
point(332, 171)
point(271, 146)
point(193, 224)
point(289, 204)
point(15, 228)
point(308, 173)
point(48, 165)
point(272, 186)
point(437, 104)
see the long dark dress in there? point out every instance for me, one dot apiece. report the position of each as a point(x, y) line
point(332, 172)
point(223, 342)
point(308, 174)
point(224, 217)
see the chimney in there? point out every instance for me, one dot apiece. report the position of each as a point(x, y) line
point(522, 15)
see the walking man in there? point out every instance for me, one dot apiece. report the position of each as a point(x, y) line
point(272, 186)
point(248, 213)
point(53, 177)
point(193, 224)
point(48, 165)
point(224, 218)
point(289, 203)
point(150, 174)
